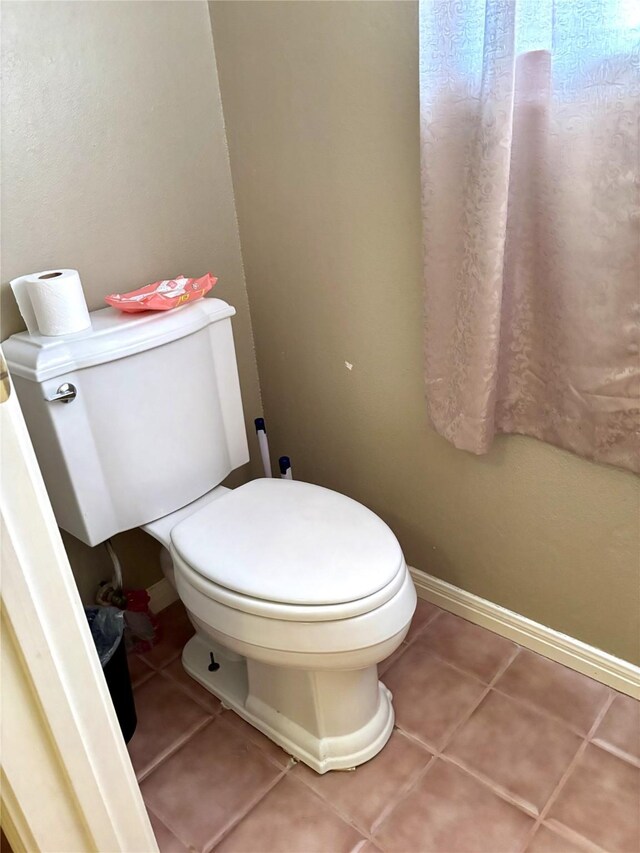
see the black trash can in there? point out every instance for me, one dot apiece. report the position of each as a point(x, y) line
point(107, 630)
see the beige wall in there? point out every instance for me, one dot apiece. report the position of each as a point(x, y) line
point(114, 162)
point(321, 106)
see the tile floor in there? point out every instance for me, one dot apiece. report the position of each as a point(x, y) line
point(496, 749)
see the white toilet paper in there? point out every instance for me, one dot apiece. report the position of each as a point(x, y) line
point(52, 302)
point(20, 291)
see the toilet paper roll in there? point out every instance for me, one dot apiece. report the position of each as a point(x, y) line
point(52, 302)
point(21, 293)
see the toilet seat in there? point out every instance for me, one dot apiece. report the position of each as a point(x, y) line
point(259, 632)
point(288, 612)
point(291, 550)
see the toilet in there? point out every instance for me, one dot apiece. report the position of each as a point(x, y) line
point(296, 592)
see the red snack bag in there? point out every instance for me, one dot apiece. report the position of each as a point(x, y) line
point(162, 295)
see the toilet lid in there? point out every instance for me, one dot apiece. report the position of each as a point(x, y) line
point(290, 542)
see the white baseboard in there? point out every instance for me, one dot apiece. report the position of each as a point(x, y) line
point(162, 594)
point(610, 670)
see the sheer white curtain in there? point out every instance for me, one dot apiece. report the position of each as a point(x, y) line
point(530, 126)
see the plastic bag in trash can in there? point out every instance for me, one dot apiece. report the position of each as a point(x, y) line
point(107, 627)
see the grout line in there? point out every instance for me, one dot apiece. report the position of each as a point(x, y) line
point(226, 722)
point(408, 643)
point(430, 747)
point(158, 667)
point(343, 816)
point(569, 835)
point(504, 793)
point(527, 703)
point(633, 760)
point(405, 645)
point(139, 684)
point(172, 749)
point(346, 818)
point(223, 833)
point(368, 833)
point(587, 739)
point(216, 838)
point(617, 753)
point(404, 793)
point(186, 692)
point(168, 826)
point(466, 672)
point(391, 807)
point(438, 752)
point(360, 845)
point(532, 706)
point(569, 770)
point(500, 672)
point(427, 624)
point(385, 665)
point(140, 681)
point(438, 612)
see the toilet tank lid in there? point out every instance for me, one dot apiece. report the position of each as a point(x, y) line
point(112, 335)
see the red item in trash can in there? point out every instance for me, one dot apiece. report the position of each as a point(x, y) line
point(162, 295)
point(144, 629)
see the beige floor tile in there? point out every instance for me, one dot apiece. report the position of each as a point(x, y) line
point(139, 671)
point(519, 749)
point(450, 812)
point(291, 819)
point(176, 672)
point(367, 847)
point(429, 696)
point(167, 842)
point(209, 778)
point(264, 744)
point(384, 665)
point(619, 731)
point(363, 794)
point(601, 802)
point(468, 646)
point(425, 613)
point(208, 784)
point(547, 841)
point(166, 717)
point(562, 692)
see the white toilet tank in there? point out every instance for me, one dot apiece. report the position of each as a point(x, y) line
point(156, 420)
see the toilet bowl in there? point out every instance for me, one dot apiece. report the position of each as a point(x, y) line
point(296, 594)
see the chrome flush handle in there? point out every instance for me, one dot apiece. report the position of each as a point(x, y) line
point(65, 394)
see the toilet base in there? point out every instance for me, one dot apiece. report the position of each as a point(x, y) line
point(328, 719)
